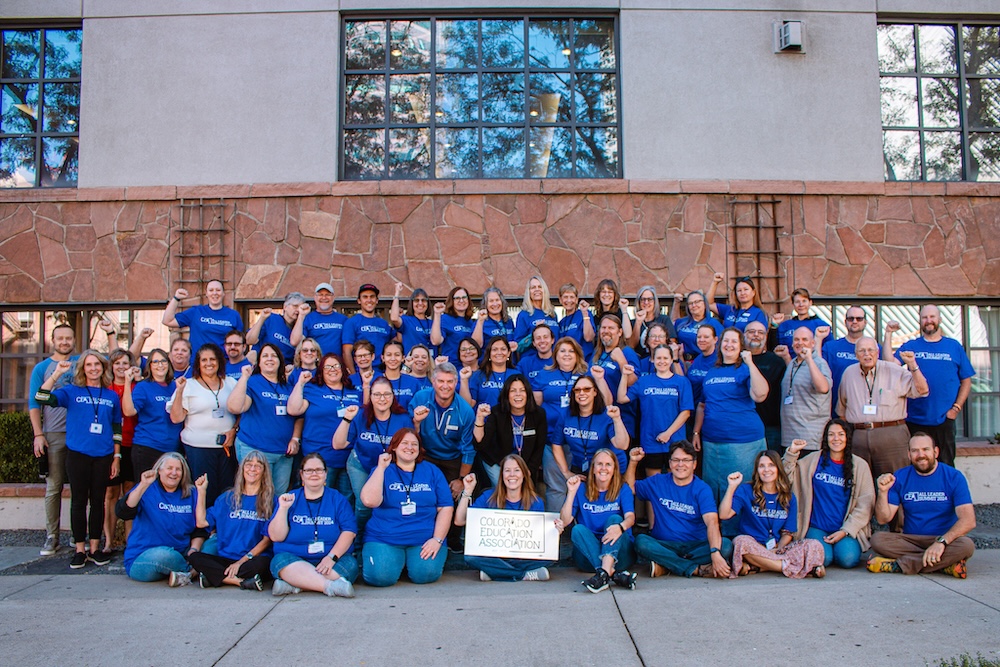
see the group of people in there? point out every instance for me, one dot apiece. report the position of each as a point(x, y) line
point(314, 448)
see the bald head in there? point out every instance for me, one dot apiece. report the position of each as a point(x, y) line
point(930, 322)
point(802, 340)
point(866, 350)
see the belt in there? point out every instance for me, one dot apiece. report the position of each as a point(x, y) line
point(867, 426)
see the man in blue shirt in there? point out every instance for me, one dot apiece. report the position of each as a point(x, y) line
point(949, 378)
point(206, 323)
point(365, 325)
point(937, 515)
point(839, 354)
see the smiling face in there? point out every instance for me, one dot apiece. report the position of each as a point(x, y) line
point(119, 368)
point(696, 306)
point(647, 301)
point(180, 354)
point(363, 358)
point(610, 333)
point(269, 361)
point(731, 346)
point(468, 354)
point(234, 348)
point(767, 472)
point(535, 291)
point(252, 470)
point(541, 338)
point(517, 396)
point(214, 293)
point(836, 439)
point(744, 294)
point(923, 454)
point(681, 466)
point(855, 321)
point(444, 387)
point(381, 395)
point(604, 467)
point(584, 392)
point(513, 477)
point(158, 365)
point(392, 357)
point(607, 297)
point(803, 340)
point(208, 365)
point(866, 350)
point(566, 357)
point(324, 301)
point(171, 473)
point(755, 336)
point(333, 373)
point(313, 474)
point(706, 340)
point(662, 360)
point(420, 360)
point(368, 301)
point(499, 354)
point(461, 303)
point(801, 304)
point(308, 355)
point(930, 321)
point(63, 340)
point(419, 305)
point(93, 369)
point(655, 336)
point(494, 305)
point(408, 449)
point(569, 301)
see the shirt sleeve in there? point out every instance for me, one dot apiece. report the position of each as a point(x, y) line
point(706, 503)
point(642, 490)
point(685, 398)
point(628, 500)
point(792, 522)
point(36, 381)
point(184, 317)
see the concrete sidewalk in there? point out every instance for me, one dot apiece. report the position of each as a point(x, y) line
point(851, 617)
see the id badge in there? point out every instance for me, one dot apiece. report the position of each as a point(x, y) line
point(341, 412)
point(218, 413)
point(770, 544)
point(530, 431)
point(97, 428)
point(869, 409)
point(280, 410)
point(451, 427)
point(408, 508)
point(564, 401)
point(317, 547)
point(788, 400)
point(586, 465)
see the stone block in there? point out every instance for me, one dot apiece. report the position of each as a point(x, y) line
point(354, 234)
point(258, 249)
point(145, 283)
point(874, 232)
point(841, 280)
point(418, 188)
point(58, 289)
point(858, 250)
point(705, 186)
point(531, 240)
point(560, 207)
point(511, 272)
point(472, 277)
point(397, 208)
point(54, 258)
point(462, 218)
point(905, 234)
point(893, 208)
point(14, 219)
point(933, 246)
point(21, 250)
point(532, 208)
point(147, 193)
point(561, 265)
point(21, 288)
point(430, 275)
point(317, 253)
point(100, 194)
point(877, 279)
point(129, 245)
point(318, 225)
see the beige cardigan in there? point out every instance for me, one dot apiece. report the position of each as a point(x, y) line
point(859, 507)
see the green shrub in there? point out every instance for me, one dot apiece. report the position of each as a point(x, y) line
point(17, 462)
point(966, 660)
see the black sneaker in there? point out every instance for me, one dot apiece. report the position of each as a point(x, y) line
point(78, 561)
point(624, 579)
point(202, 581)
point(598, 582)
point(100, 557)
point(252, 584)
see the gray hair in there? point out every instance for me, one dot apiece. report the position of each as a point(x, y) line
point(444, 368)
point(295, 297)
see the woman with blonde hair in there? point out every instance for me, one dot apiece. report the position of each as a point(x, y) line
point(536, 308)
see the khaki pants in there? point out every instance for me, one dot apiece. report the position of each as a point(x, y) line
point(55, 481)
point(908, 550)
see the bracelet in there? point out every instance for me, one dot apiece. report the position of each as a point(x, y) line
point(118, 455)
point(39, 435)
point(249, 555)
point(345, 419)
point(480, 425)
point(465, 494)
point(439, 540)
point(296, 439)
point(622, 526)
point(176, 299)
point(958, 408)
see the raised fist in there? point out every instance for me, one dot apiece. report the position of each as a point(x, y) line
point(384, 459)
point(746, 356)
point(822, 332)
point(439, 308)
point(483, 410)
point(469, 482)
point(797, 446)
point(350, 411)
point(778, 318)
point(718, 277)
point(181, 293)
point(597, 372)
point(201, 483)
point(106, 326)
point(465, 373)
point(637, 454)
point(399, 288)
point(304, 309)
point(266, 312)
point(180, 382)
point(892, 326)
point(305, 376)
point(613, 411)
point(285, 500)
point(885, 481)
point(735, 478)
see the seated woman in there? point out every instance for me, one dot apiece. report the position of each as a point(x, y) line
point(604, 513)
point(161, 508)
point(836, 495)
point(516, 426)
point(767, 512)
point(313, 531)
point(239, 517)
point(515, 492)
point(411, 513)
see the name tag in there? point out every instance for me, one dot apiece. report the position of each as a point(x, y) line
point(770, 544)
point(451, 427)
point(408, 508)
point(280, 410)
point(218, 413)
point(586, 465)
point(869, 409)
point(316, 547)
point(341, 412)
point(97, 428)
point(788, 400)
point(564, 401)
point(530, 431)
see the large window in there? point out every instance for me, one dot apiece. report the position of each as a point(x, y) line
point(511, 97)
point(39, 107)
point(940, 101)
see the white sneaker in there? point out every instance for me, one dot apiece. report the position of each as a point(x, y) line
point(179, 579)
point(340, 588)
point(538, 574)
point(282, 587)
point(50, 547)
point(484, 577)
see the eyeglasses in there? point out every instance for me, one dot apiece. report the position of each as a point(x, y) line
point(313, 471)
point(362, 355)
point(461, 298)
point(467, 349)
point(855, 319)
point(332, 367)
point(309, 350)
point(237, 344)
point(157, 362)
point(382, 394)
point(253, 465)
point(583, 390)
point(645, 298)
point(682, 461)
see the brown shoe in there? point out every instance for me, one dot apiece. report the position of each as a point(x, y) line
point(656, 570)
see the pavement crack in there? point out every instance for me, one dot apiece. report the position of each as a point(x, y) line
point(638, 653)
point(21, 590)
point(248, 631)
point(967, 597)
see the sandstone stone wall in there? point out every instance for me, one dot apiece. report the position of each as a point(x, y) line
point(836, 239)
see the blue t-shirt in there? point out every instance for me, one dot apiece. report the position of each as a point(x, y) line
point(426, 488)
point(320, 520)
point(830, 496)
point(236, 370)
point(53, 419)
point(526, 323)
point(239, 530)
point(584, 436)
point(371, 441)
point(678, 510)
point(277, 332)
point(326, 407)
point(741, 317)
point(787, 329)
point(613, 375)
point(487, 390)
point(945, 364)
point(374, 329)
point(90, 414)
point(763, 524)
point(356, 380)
point(531, 364)
point(572, 326)
point(730, 413)
point(929, 501)
point(326, 329)
point(266, 426)
point(483, 502)
point(660, 400)
point(163, 519)
point(209, 326)
point(453, 330)
point(696, 373)
point(593, 514)
point(446, 433)
point(555, 386)
point(504, 329)
point(687, 332)
point(153, 427)
point(415, 331)
point(405, 387)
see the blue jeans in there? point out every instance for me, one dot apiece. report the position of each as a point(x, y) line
point(589, 551)
point(493, 473)
point(555, 481)
point(505, 569)
point(157, 563)
point(338, 480)
point(346, 566)
point(281, 465)
point(681, 558)
point(383, 564)
point(772, 434)
point(358, 476)
point(846, 553)
point(211, 461)
point(718, 460)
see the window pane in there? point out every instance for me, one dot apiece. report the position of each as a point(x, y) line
point(62, 107)
point(365, 97)
point(457, 44)
point(943, 156)
point(62, 54)
point(937, 49)
point(17, 163)
point(902, 155)
point(457, 98)
point(983, 97)
point(410, 45)
point(60, 162)
point(21, 50)
point(409, 153)
point(896, 52)
point(551, 152)
point(364, 153)
point(503, 43)
point(940, 102)
point(595, 98)
point(503, 152)
point(982, 53)
point(595, 44)
point(19, 108)
point(984, 158)
point(596, 152)
point(364, 45)
point(506, 95)
point(457, 153)
point(899, 101)
point(410, 98)
point(549, 44)
point(549, 100)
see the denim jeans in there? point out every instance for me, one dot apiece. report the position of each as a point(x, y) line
point(555, 481)
point(157, 563)
point(492, 473)
point(358, 476)
point(505, 569)
point(346, 566)
point(281, 465)
point(211, 461)
point(719, 459)
point(383, 564)
point(338, 480)
point(846, 553)
point(589, 551)
point(681, 558)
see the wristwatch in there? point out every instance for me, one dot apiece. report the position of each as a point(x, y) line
point(940, 539)
point(713, 550)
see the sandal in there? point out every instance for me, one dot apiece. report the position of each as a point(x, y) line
point(748, 569)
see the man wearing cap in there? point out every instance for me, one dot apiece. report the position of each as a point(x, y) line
point(366, 325)
point(324, 325)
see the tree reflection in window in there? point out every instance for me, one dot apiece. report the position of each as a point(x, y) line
point(503, 97)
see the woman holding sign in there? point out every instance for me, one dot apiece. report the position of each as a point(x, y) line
point(516, 492)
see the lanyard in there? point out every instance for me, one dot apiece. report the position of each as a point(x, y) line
point(409, 485)
point(214, 393)
point(314, 517)
point(584, 440)
point(382, 437)
point(871, 387)
point(441, 419)
point(274, 386)
point(93, 402)
point(517, 425)
point(796, 367)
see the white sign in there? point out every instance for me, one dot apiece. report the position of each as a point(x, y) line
point(512, 534)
